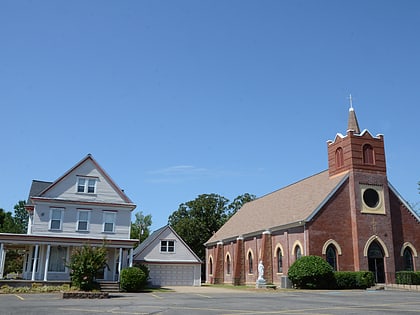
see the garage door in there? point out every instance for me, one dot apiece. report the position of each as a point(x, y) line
point(162, 275)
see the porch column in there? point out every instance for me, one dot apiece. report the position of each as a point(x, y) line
point(47, 262)
point(130, 261)
point(119, 263)
point(2, 260)
point(35, 262)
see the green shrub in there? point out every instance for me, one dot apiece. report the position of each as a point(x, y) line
point(345, 280)
point(408, 277)
point(354, 279)
point(85, 263)
point(364, 279)
point(311, 272)
point(133, 279)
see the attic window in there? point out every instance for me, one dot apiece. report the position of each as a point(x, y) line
point(167, 246)
point(86, 185)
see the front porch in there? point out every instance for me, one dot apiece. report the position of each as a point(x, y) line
point(45, 258)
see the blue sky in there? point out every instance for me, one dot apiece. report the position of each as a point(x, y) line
point(180, 98)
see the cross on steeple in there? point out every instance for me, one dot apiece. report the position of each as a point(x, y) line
point(351, 102)
point(352, 125)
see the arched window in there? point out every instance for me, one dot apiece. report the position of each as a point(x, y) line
point(250, 263)
point(279, 261)
point(298, 252)
point(211, 266)
point(331, 254)
point(339, 158)
point(228, 264)
point(368, 154)
point(408, 260)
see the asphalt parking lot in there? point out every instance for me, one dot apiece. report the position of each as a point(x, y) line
point(213, 300)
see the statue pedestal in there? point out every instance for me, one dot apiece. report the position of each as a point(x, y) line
point(261, 283)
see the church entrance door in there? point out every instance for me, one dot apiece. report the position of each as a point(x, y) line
point(376, 262)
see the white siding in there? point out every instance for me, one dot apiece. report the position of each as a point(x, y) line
point(182, 253)
point(67, 187)
point(41, 220)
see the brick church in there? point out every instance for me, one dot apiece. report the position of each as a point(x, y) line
point(349, 214)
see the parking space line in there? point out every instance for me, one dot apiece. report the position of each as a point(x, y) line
point(19, 297)
point(83, 310)
point(206, 296)
point(156, 296)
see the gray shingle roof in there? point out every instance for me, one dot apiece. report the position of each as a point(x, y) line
point(37, 187)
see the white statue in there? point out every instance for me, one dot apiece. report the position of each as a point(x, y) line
point(260, 270)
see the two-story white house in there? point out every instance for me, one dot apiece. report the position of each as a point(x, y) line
point(84, 206)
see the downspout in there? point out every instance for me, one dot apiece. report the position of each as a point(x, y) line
point(2, 260)
point(304, 239)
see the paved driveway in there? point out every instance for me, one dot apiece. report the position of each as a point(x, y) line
point(214, 300)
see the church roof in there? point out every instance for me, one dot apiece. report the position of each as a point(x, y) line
point(293, 204)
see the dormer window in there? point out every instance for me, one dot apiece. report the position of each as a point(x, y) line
point(86, 185)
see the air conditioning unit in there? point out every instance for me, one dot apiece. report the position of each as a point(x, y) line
point(285, 283)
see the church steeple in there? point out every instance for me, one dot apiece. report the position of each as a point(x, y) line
point(352, 125)
point(356, 151)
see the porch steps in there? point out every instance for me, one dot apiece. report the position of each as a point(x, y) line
point(109, 286)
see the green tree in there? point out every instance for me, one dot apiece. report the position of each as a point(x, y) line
point(239, 201)
point(195, 221)
point(21, 217)
point(7, 222)
point(140, 228)
point(85, 263)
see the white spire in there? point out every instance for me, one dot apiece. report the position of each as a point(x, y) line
point(351, 103)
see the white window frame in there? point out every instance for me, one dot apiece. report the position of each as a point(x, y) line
point(166, 248)
point(106, 215)
point(89, 185)
point(61, 211)
point(79, 211)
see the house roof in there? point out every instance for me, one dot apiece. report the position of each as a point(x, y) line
point(37, 187)
point(145, 245)
point(293, 204)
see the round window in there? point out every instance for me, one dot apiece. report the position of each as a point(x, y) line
point(371, 198)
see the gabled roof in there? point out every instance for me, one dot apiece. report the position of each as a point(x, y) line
point(37, 187)
point(404, 202)
point(118, 190)
point(290, 205)
point(153, 239)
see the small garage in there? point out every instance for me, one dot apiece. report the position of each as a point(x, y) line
point(173, 275)
point(170, 260)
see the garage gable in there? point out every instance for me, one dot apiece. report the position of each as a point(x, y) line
point(165, 245)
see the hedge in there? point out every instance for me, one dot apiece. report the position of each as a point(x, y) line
point(408, 277)
point(354, 279)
